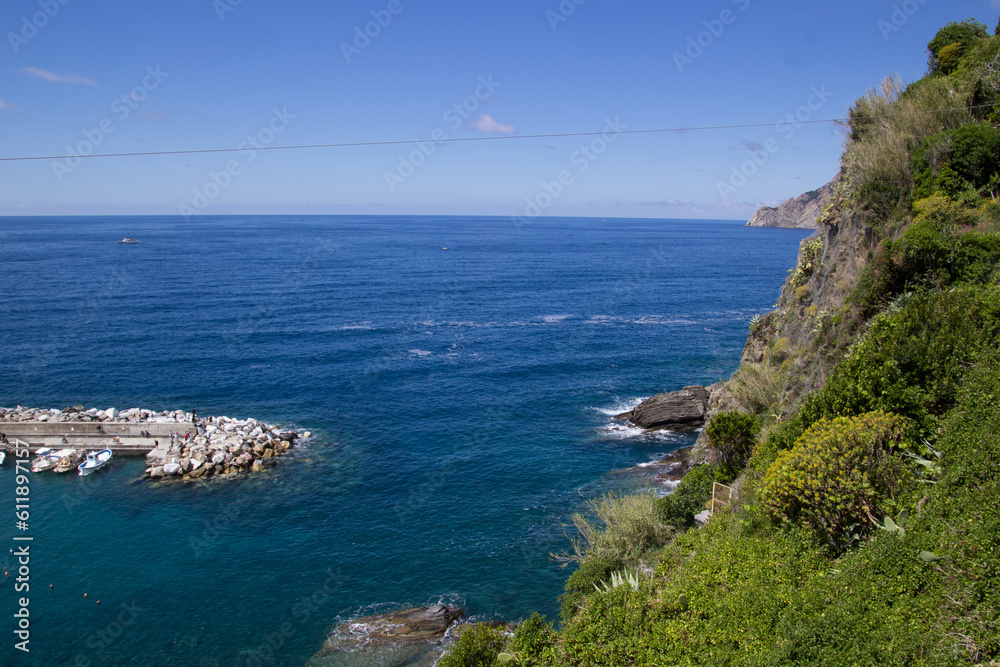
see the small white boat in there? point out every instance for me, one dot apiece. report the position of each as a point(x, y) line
point(67, 459)
point(43, 460)
point(94, 461)
point(128, 241)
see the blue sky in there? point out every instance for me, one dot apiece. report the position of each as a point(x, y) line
point(124, 76)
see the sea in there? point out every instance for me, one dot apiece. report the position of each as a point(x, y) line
point(459, 376)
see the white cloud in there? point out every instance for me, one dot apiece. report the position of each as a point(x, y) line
point(486, 123)
point(38, 73)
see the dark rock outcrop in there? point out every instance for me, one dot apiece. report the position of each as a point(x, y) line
point(799, 213)
point(678, 411)
point(408, 637)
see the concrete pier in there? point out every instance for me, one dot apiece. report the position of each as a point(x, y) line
point(119, 437)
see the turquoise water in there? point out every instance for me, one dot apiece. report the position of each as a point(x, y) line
point(459, 398)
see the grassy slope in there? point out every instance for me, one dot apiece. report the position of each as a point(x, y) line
point(896, 309)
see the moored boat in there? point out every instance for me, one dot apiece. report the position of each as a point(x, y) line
point(67, 460)
point(43, 460)
point(94, 461)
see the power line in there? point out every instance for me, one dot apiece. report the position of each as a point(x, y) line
point(455, 140)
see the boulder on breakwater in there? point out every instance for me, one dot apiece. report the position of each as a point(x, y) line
point(222, 446)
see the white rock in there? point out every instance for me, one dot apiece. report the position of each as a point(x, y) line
point(112, 413)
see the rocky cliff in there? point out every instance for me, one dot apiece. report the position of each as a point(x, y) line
point(800, 213)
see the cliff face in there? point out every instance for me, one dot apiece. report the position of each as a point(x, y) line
point(796, 346)
point(800, 213)
point(806, 336)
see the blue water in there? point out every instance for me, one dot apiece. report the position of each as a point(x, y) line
point(459, 398)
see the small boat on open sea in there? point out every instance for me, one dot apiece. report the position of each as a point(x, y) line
point(43, 460)
point(128, 241)
point(94, 461)
point(68, 459)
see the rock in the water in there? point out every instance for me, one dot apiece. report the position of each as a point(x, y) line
point(677, 411)
point(410, 625)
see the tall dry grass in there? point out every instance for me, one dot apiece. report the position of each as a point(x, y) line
point(758, 388)
point(885, 126)
point(620, 526)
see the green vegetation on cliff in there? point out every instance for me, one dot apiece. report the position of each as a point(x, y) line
point(862, 431)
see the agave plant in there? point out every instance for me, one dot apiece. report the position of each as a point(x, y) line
point(620, 579)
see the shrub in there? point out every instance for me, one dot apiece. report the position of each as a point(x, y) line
point(960, 36)
point(532, 639)
point(964, 158)
point(689, 498)
point(731, 436)
point(932, 253)
point(838, 475)
point(810, 251)
point(969, 444)
point(478, 646)
point(592, 571)
point(911, 362)
point(949, 56)
point(780, 350)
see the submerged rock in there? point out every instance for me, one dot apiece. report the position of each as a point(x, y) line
point(678, 411)
point(401, 635)
point(410, 638)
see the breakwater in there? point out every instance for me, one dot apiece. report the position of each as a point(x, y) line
point(176, 444)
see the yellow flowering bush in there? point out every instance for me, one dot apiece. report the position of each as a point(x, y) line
point(838, 476)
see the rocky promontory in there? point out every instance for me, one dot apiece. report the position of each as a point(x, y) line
point(799, 213)
point(682, 410)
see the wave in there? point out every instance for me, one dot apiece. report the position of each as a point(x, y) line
point(623, 405)
point(539, 321)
